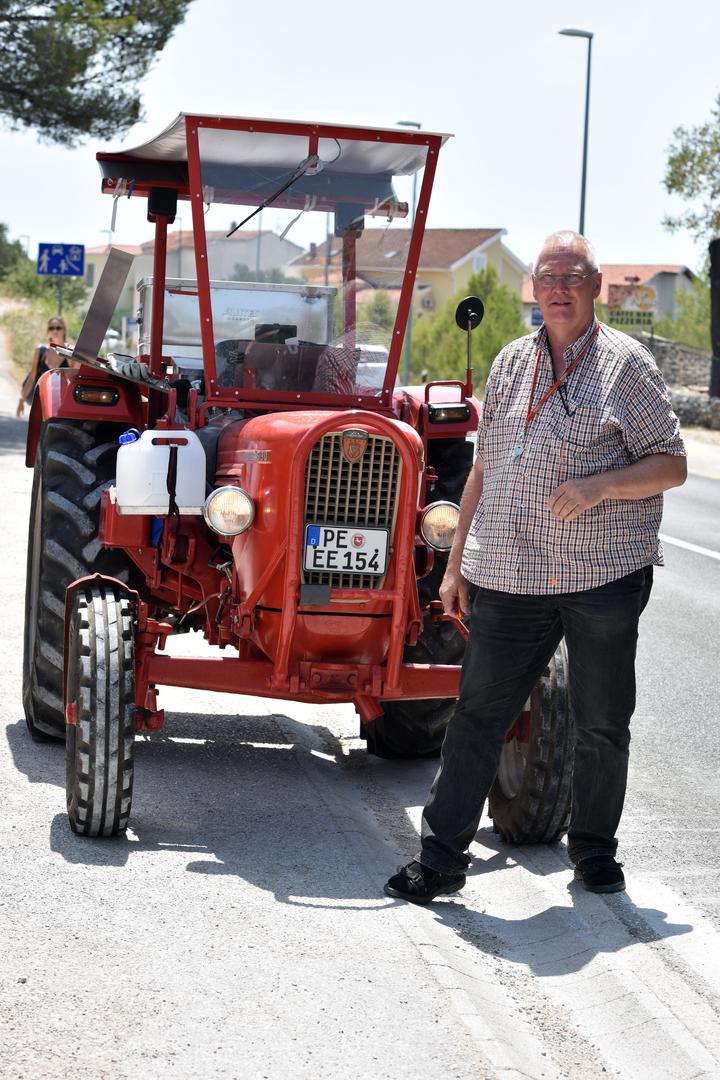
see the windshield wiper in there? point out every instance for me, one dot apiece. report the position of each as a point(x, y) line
point(310, 162)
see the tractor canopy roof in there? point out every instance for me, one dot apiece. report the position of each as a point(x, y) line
point(332, 196)
point(250, 142)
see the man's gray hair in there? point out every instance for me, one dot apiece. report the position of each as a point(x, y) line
point(566, 238)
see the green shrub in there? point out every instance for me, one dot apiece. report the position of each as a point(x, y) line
point(440, 348)
point(691, 325)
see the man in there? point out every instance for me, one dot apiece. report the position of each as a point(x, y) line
point(559, 530)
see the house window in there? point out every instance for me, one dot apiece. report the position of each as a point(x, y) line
point(479, 262)
point(90, 274)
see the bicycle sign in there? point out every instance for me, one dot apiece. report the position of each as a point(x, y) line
point(61, 260)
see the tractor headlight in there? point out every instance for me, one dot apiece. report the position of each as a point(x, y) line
point(229, 510)
point(438, 524)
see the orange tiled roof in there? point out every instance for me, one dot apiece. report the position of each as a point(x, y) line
point(382, 249)
point(173, 238)
point(103, 249)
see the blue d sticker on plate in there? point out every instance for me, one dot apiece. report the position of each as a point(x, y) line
point(313, 535)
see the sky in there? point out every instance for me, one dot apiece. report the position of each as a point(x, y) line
point(498, 76)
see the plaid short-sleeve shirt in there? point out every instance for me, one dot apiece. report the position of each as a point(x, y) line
point(615, 411)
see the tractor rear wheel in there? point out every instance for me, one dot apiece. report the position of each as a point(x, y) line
point(75, 462)
point(530, 798)
point(100, 707)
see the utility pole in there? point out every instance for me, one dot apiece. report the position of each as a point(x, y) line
point(328, 246)
point(715, 317)
point(257, 248)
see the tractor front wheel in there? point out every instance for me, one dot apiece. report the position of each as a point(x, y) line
point(74, 464)
point(100, 711)
point(529, 801)
point(416, 729)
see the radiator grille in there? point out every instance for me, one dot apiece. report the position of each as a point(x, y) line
point(339, 492)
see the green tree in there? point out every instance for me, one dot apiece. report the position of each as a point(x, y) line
point(691, 324)
point(23, 282)
point(10, 251)
point(69, 68)
point(693, 173)
point(379, 310)
point(439, 346)
point(242, 272)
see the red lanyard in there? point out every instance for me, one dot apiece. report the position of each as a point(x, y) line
point(532, 412)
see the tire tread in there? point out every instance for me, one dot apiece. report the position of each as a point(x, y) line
point(100, 745)
point(75, 462)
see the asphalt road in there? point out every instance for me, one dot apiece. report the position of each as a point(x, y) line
point(240, 930)
point(672, 820)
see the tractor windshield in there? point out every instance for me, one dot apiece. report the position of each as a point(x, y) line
point(311, 239)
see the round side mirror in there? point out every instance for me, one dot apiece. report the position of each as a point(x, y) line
point(469, 313)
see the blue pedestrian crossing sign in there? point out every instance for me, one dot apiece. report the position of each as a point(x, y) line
point(61, 260)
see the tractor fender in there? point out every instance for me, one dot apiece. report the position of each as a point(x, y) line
point(45, 404)
point(54, 398)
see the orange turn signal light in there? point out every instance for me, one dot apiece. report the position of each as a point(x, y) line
point(454, 413)
point(96, 395)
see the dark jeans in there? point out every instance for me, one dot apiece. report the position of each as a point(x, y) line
point(512, 639)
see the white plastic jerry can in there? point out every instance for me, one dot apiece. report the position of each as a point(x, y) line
point(141, 484)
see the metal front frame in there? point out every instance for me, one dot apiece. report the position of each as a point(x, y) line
point(314, 132)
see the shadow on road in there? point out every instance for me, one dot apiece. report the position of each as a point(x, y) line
point(561, 940)
point(13, 435)
point(235, 794)
point(226, 790)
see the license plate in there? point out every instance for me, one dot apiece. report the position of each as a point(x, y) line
point(346, 549)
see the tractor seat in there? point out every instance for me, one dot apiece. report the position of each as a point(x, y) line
point(229, 357)
point(209, 436)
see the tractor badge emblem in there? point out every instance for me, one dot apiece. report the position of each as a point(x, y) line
point(354, 444)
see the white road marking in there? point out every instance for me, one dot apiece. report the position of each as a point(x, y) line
point(690, 547)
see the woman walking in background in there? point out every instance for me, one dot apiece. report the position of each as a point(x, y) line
point(44, 358)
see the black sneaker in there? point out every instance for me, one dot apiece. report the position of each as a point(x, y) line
point(600, 873)
point(419, 884)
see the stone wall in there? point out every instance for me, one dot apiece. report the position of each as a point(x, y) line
point(695, 408)
point(687, 374)
point(681, 365)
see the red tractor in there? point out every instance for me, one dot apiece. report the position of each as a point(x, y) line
point(254, 474)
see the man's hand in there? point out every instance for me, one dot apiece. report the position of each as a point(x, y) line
point(574, 497)
point(454, 593)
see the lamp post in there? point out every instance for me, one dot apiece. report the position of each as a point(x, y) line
point(179, 246)
point(588, 35)
point(408, 332)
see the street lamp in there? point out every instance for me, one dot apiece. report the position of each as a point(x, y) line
point(588, 35)
point(178, 219)
point(408, 332)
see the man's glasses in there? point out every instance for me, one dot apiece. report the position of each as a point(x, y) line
point(571, 281)
point(55, 326)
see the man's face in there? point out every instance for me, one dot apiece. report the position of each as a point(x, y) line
point(566, 309)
